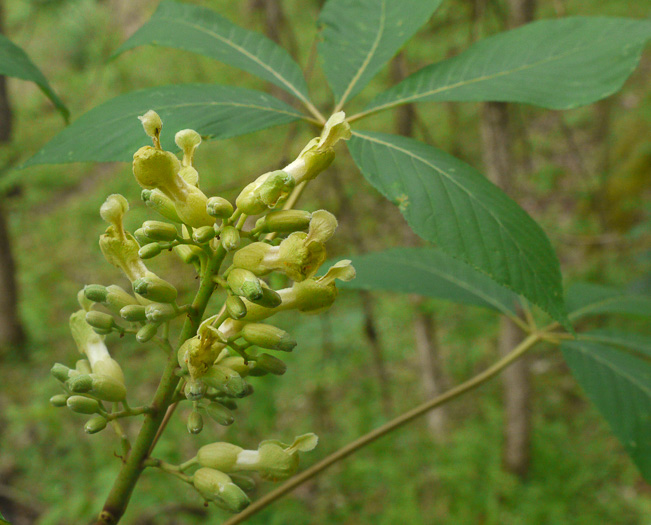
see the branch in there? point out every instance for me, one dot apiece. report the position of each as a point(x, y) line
point(385, 429)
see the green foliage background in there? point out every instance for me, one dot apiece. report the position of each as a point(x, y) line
point(580, 473)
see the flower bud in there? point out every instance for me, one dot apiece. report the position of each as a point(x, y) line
point(188, 140)
point(141, 238)
point(258, 372)
point(150, 250)
point(158, 201)
point(235, 362)
point(107, 388)
point(160, 231)
point(219, 208)
point(83, 405)
point(160, 312)
point(221, 456)
point(152, 124)
point(218, 487)
point(257, 257)
point(270, 298)
point(154, 168)
point(133, 313)
point(284, 221)
point(271, 364)
point(117, 298)
point(95, 292)
point(225, 380)
point(95, 424)
point(243, 282)
point(220, 414)
point(83, 301)
point(100, 320)
point(154, 288)
point(265, 192)
point(203, 234)
point(60, 372)
point(230, 238)
point(235, 307)
point(83, 366)
point(195, 422)
point(188, 254)
point(227, 402)
point(246, 483)
point(195, 389)
point(147, 332)
point(59, 400)
point(268, 336)
point(80, 384)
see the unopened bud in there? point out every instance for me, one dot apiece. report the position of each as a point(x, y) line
point(195, 422)
point(155, 289)
point(235, 307)
point(107, 388)
point(150, 250)
point(220, 414)
point(160, 312)
point(159, 231)
point(246, 483)
point(235, 362)
point(147, 333)
point(245, 283)
point(80, 384)
point(195, 389)
point(158, 201)
point(60, 372)
point(100, 320)
point(151, 123)
point(218, 487)
point(154, 168)
point(59, 400)
point(230, 238)
point(95, 292)
point(117, 298)
point(219, 208)
point(225, 380)
point(284, 221)
point(142, 239)
point(221, 456)
point(133, 313)
point(83, 405)
point(270, 298)
point(203, 234)
point(83, 366)
point(271, 364)
point(95, 424)
point(188, 254)
point(268, 336)
point(227, 402)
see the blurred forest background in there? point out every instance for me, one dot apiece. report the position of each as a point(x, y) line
point(526, 449)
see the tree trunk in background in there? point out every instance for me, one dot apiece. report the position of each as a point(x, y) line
point(425, 336)
point(11, 328)
point(499, 162)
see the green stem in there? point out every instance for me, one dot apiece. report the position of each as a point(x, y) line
point(118, 498)
point(385, 429)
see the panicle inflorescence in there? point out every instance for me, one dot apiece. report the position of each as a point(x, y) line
point(228, 348)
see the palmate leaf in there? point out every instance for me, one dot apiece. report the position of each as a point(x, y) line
point(14, 62)
point(584, 299)
point(359, 38)
point(556, 64)
point(112, 132)
point(205, 32)
point(429, 272)
point(449, 203)
point(618, 382)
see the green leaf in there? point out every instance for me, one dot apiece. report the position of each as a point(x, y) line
point(14, 62)
point(556, 64)
point(449, 203)
point(619, 384)
point(360, 37)
point(429, 272)
point(205, 32)
point(592, 299)
point(636, 343)
point(112, 131)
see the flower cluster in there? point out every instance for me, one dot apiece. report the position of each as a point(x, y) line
point(219, 354)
